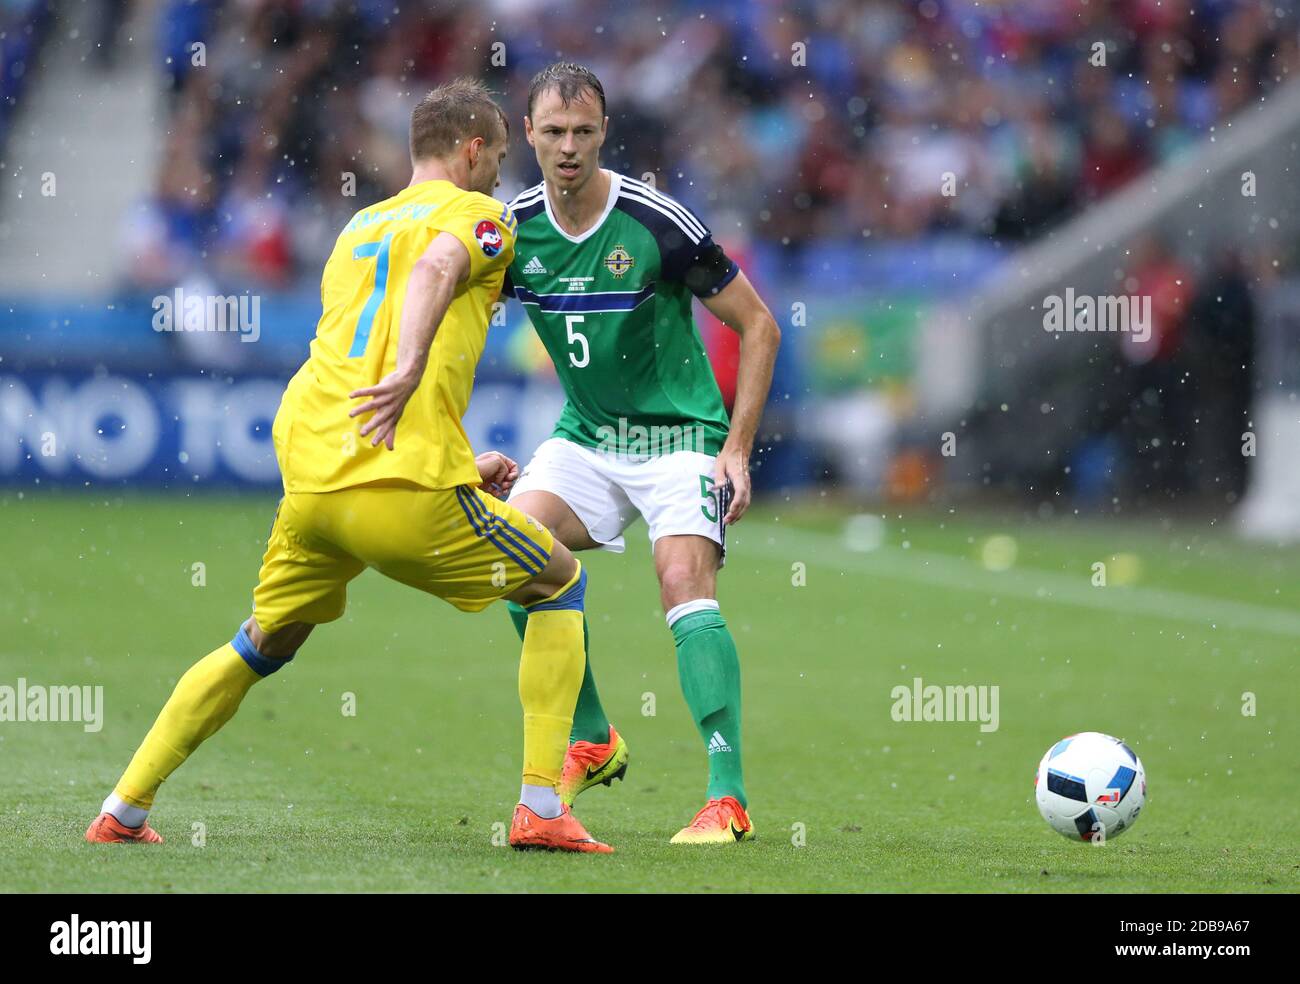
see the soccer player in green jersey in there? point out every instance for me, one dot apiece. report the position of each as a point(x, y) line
point(606, 267)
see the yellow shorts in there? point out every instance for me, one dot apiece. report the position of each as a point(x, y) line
point(460, 544)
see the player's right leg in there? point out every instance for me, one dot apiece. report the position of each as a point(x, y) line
point(550, 671)
point(597, 752)
point(562, 489)
point(302, 583)
point(471, 549)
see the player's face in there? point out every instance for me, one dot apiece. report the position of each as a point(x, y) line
point(567, 138)
point(485, 169)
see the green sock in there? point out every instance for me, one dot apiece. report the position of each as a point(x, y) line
point(710, 675)
point(589, 721)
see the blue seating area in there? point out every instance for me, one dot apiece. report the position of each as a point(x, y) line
point(23, 25)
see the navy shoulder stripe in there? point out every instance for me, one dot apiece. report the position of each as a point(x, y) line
point(529, 203)
point(666, 230)
point(651, 194)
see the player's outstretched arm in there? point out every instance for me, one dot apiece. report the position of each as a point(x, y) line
point(429, 291)
point(739, 307)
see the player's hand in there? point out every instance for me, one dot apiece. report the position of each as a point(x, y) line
point(388, 400)
point(733, 466)
point(498, 472)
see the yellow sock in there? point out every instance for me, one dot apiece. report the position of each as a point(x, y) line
point(550, 675)
point(205, 698)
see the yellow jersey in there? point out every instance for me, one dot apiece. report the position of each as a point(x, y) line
point(318, 446)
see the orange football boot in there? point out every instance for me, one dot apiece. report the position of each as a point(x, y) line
point(107, 829)
point(722, 821)
point(528, 831)
point(589, 762)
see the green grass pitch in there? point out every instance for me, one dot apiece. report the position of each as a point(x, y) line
point(296, 796)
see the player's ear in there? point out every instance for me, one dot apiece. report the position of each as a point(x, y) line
point(528, 131)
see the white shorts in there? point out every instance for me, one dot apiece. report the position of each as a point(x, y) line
point(673, 492)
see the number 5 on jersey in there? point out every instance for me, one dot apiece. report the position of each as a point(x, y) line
point(577, 338)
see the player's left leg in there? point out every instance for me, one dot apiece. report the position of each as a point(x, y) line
point(709, 669)
point(675, 494)
point(299, 586)
point(205, 698)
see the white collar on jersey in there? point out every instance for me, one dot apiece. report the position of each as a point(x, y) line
point(615, 179)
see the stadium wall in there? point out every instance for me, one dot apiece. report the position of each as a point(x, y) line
point(989, 359)
point(92, 393)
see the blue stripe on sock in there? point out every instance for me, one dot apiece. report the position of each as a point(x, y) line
point(571, 601)
point(258, 663)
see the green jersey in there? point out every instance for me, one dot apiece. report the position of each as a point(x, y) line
point(613, 308)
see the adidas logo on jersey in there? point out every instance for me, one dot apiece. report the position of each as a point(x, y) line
point(718, 744)
point(535, 266)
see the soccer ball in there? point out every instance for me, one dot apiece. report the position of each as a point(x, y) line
point(1090, 787)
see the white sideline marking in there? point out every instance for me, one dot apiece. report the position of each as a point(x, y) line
point(945, 570)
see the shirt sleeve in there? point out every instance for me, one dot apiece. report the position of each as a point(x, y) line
point(708, 269)
point(690, 256)
point(487, 229)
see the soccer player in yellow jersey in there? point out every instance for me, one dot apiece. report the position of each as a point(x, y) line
point(391, 483)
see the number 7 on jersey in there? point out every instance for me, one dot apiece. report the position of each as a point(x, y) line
point(379, 250)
